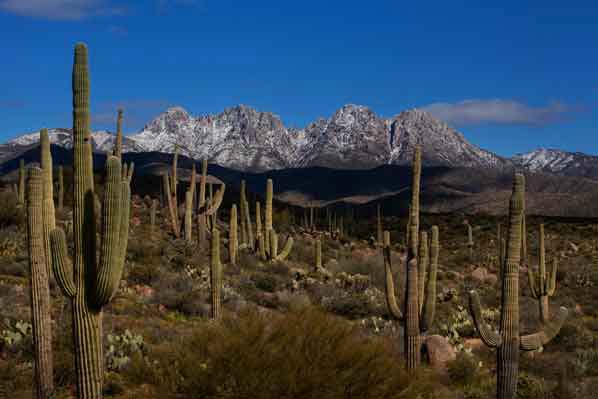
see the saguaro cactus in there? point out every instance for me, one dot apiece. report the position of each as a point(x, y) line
point(272, 253)
point(118, 145)
point(420, 297)
point(379, 225)
point(507, 340)
point(201, 218)
point(49, 219)
point(544, 285)
point(153, 214)
point(233, 243)
point(189, 215)
point(21, 193)
point(91, 282)
point(215, 274)
point(470, 241)
point(318, 254)
point(60, 188)
point(37, 237)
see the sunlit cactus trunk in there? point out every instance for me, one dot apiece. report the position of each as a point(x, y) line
point(118, 145)
point(318, 254)
point(189, 216)
point(89, 282)
point(379, 225)
point(470, 241)
point(268, 215)
point(201, 218)
point(507, 340)
point(39, 256)
point(49, 220)
point(243, 220)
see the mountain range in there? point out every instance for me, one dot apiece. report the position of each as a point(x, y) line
point(354, 137)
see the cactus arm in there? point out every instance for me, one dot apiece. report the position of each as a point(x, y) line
point(422, 265)
point(61, 263)
point(551, 282)
point(546, 334)
point(108, 274)
point(391, 299)
point(490, 338)
point(288, 246)
point(429, 309)
point(212, 206)
point(532, 283)
point(130, 172)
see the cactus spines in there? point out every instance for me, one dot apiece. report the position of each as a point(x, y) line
point(507, 340)
point(215, 274)
point(60, 188)
point(380, 237)
point(92, 282)
point(188, 215)
point(232, 235)
point(37, 238)
point(21, 186)
point(543, 285)
point(118, 145)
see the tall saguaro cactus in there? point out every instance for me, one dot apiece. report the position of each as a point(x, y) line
point(379, 234)
point(215, 274)
point(233, 243)
point(21, 186)
point(49, 219)
point(272, 252)
point(60, 188)
point(118, 146)
point(543, 285)
point(201, 218)
point(37, 237)
point(318, 254)
point(420, 296)
point(470, 241)
point(91, 283)
point(507, 340)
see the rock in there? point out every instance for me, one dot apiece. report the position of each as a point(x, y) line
point(491, 279)
point(578, 309)
point(440, 351)
point(479, 274)
point(473, 343)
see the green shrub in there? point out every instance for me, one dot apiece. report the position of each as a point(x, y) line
point(266, 282)
point(463, 369)
point(530, 387)
point(10, 213)
point(298, 355)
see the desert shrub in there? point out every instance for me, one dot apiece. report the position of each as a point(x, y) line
point(530, 387)
point(142, 273)
point(351, 306)
point(267, 282)
point(10, 213)
point(585, 362)
point(463, 369)
point(574, 335)
point(302, 354)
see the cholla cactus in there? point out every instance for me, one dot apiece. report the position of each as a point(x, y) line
point(39, 256)
point(90, 283)
point(507, 340)
point(420, 296)
point(544, 285)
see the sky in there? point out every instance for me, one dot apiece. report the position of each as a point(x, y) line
point(512, 77)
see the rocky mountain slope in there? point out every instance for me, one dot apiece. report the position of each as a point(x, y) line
point(246, 139)
point(559, 162)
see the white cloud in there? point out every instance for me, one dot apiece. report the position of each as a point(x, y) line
point(499, 111)
point(60, 9)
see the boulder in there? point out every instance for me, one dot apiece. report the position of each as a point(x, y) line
point(479, 274)
point(439, 351)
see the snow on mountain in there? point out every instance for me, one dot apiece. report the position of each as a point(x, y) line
point(354, 137)
point(559, 162)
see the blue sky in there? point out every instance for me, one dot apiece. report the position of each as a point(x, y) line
point(512, 77)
